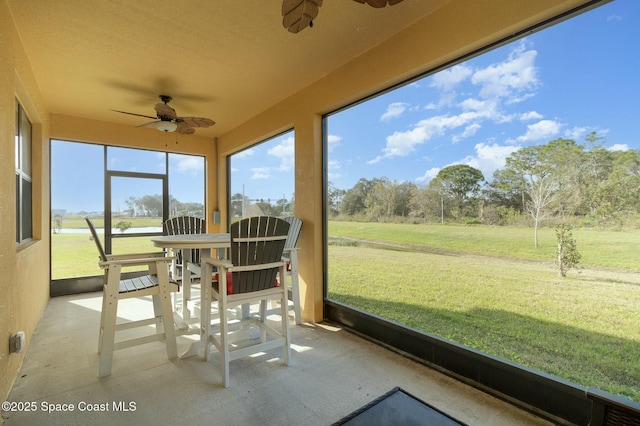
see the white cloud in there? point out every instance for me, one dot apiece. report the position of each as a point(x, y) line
point(401, 144)
point(285, 152)
point(333, 141)
point(619, 147)
point(428, 175)
point(471, 104)
point(447, 80)
point(489, 158)
point(261, 173)
point(543, 129)
point(394, 110)
point(468, 132)
point(576, 133)
point(511, 79)
point(531, 115)
point(333, 169)
point(245, 153)
point(188, 164)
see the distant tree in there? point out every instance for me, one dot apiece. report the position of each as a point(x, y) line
point(57, 224)
point(264, 204)
point(191, 209)
point(528, 166)
point(283, 206)
point(122, 225)
point(382, 198)
point(358, 199)
point(334, 198)
point(403, 198)
point(567, 255)
point(562, 160)
point(132, 203)
point(541, 190)
point(151, 205)
point(237, 203)
point(507, 189)
point(616, 198)
point(461, 184)
point(419, 201)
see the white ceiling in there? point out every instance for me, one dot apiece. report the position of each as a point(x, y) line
point(224, 60)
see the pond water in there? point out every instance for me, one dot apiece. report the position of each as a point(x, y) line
point(114, 231)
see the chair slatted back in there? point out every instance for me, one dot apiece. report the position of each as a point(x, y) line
point(294, 231)
point(94, 237)
point(255, 241)
point(181, 225)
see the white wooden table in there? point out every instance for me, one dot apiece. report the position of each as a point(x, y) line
point(206, 243)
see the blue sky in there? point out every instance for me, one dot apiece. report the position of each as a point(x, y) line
point(265, 170)
point(578, 76)
point(77, 176)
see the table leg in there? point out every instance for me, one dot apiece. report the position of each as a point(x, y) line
point(205, 311)
point(186, 285)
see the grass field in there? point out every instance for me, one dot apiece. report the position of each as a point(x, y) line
point(75, 255)
point(484, 287)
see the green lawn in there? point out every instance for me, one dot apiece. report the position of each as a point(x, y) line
point(75, 255)
point(605, 249)
point(461, 283)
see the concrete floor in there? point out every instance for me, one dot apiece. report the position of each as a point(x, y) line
point(332, 373)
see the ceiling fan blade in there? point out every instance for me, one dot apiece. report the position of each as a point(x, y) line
point(298, 14)
point(132, 113)
point(165, 111)
point(379, 3)
point(184, 128)
point(150, 124)
point(195, 121)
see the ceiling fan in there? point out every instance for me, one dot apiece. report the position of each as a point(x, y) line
point(168, 120)
point(299, 14)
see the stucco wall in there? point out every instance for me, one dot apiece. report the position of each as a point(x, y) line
point(24, 270)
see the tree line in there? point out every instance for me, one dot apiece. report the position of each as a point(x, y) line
point(151, 206)
point(558, 180)
point(242, 206)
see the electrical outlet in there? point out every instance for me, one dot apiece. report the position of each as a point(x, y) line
point(17, 342)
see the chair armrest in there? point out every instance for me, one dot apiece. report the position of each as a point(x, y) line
point(136, 261)
point(287, 252)
point(220, 263)
point(226, 264)
point(135, 255)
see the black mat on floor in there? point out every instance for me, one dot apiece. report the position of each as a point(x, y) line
point(398, 407)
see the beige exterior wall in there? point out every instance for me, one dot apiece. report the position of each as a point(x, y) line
point(24, 271)
point(460, 27)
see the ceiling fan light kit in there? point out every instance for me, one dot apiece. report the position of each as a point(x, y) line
point(168, 121)
point(166, 126)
